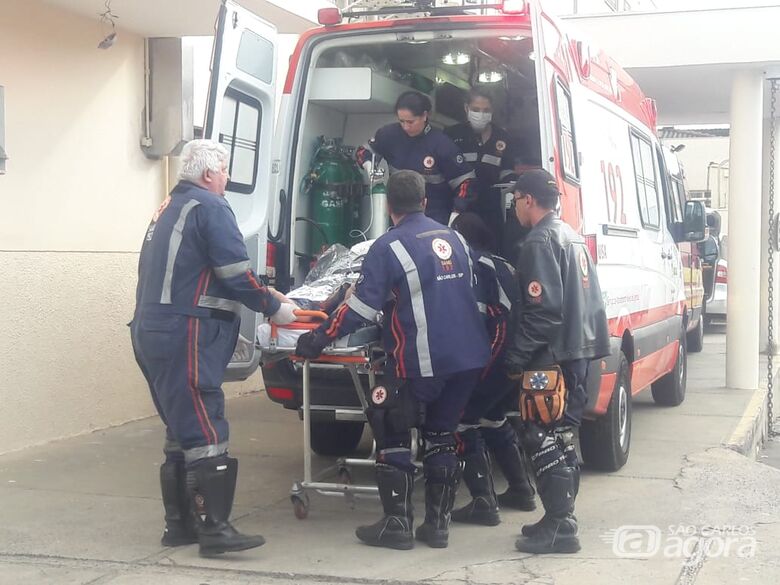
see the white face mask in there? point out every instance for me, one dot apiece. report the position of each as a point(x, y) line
point(479, 120)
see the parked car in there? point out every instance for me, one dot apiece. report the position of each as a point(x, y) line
point(714, 270)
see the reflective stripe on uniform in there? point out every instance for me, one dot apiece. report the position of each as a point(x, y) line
point(455, 183)
point(468, 255)
point(486, 423)
point(430, 233)
point(436, 179)
point(491, 159)
point(191, 455)
point(482, 308)
point(368, 313)
point(503, 299)
point(505, 173)
point(470, 156)
point(219, 303)
point(418, 307)
point(173, 250)
point(231, 270)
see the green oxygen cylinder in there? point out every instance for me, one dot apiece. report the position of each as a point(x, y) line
point(329, 184)
point(356, 196)
point(380, 220)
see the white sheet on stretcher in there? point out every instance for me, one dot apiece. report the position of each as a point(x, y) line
point(287, 338)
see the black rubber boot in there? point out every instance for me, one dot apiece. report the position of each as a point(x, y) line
point(394, 530)
point(557, 531)
point(212, 485)
point(482, 509)
point(180, 526)
point(520, 493)
point(441, 485)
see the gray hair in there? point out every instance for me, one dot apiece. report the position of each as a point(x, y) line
point(199, 156)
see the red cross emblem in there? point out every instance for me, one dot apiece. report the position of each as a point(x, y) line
point(534, 289)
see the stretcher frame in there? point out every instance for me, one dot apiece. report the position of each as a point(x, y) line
point(353, 359)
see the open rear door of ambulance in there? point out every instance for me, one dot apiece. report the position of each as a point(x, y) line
point(544, 82)
point(240, 115)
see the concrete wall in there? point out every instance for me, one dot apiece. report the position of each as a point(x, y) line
point(76, 199)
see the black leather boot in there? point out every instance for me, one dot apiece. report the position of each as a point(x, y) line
point(566, 442)
point(212, 485)
point(557, 531)
point(520, 493)
point(482, 509)
point(441, 485)
point(394, 530)
point(180, 526)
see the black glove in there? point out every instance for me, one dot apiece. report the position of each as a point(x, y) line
point(311, 344)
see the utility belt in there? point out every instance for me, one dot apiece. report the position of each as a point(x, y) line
point(200, 312)
point(542, 395)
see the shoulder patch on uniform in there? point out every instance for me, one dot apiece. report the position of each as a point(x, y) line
point(500, 145)
point(166, 202)
point(442, 248)
point(378, 395)
point(428, 162)
point(459, 159)
point(534, 289)
point(583, 259)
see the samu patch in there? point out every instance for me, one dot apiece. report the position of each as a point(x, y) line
point(535, 291)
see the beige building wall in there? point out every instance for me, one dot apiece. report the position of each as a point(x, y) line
point(76, 200)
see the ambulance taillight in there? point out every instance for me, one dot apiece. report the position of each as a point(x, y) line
point(590, 242)
point(270, 260)
point(721, 274)
point(329, 16)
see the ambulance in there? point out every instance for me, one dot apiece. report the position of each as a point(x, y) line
point(568, 107)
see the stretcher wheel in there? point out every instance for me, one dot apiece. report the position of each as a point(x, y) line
point(300, 506)
point(345, 476)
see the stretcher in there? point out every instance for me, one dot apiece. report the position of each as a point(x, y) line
point(356, 353)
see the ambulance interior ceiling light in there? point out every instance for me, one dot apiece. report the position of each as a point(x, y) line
point(490, 76)
point(456, 58)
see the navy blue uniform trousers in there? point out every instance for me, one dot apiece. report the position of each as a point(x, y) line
point(184, 359)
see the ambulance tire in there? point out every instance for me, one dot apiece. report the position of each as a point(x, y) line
point(670, 389)
point(606, 441)
point(333, 438)
point(695, 337)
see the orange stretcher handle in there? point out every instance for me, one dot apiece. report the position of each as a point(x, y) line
point(307, 313)
point(307, 321)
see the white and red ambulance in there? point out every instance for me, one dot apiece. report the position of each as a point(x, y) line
point(568, 107)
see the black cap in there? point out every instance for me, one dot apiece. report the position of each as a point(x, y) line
point(541, 185)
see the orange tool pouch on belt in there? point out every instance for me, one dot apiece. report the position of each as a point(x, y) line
point(542, 395)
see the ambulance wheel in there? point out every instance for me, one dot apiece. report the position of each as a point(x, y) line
point(335, 438)
point(606, 441)
point(300, 506)
point(670, 390)
point(695, 338)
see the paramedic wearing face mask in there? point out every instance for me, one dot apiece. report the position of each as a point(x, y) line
point(420, 274)
point(413, 144)
point(488, 148)
point(559, 325)
point(193, 277)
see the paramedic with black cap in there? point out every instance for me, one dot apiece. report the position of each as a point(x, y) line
point(487, 147)
point(420, 274)
point(559, 325)
point(193, 277)
point(413, 144)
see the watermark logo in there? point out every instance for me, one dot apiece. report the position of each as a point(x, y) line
point(690, 543)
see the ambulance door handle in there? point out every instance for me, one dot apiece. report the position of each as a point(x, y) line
point(664, 256)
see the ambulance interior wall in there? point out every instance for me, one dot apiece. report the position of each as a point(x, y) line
point(77, 197)
point(354, 129)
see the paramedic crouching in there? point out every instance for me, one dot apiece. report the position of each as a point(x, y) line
point(193, 276)
point(420, 274)
point(559, 325)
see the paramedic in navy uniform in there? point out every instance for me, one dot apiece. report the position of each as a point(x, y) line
point(413, 144)
point(193, 276)
point(487, 147)
point(558, 319)
point(420, 274)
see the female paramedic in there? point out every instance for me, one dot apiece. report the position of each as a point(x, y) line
point(413, 144)
point(484, 423)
